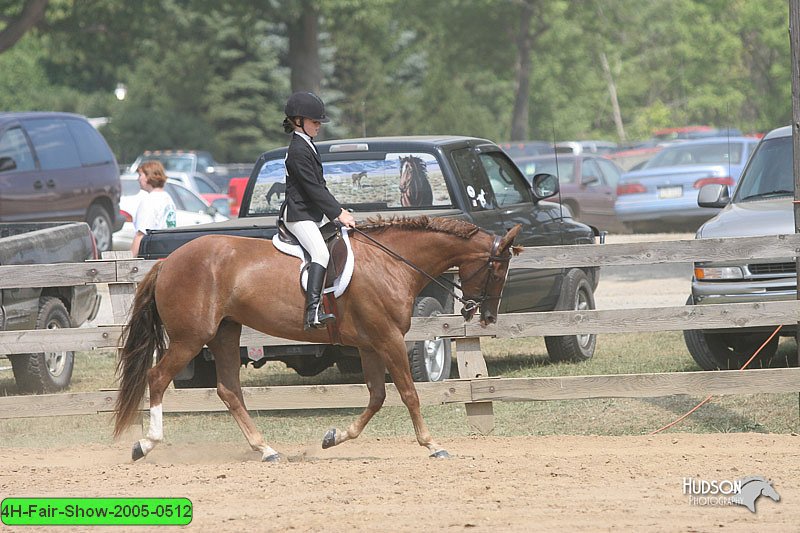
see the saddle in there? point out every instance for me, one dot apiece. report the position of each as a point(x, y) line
point(332, 234)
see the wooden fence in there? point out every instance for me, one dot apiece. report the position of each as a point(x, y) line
point(475, 388)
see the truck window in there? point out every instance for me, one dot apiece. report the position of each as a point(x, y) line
point(53, 144)
point(14, 145)
point(508, 185)
point(769, 171)
point(394, 181)
point(476, 186)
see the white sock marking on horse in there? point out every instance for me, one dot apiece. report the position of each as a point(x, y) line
point(156, 432)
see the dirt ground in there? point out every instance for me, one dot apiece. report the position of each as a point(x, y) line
point(490, 484)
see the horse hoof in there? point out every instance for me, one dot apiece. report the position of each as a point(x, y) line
point(441, 454)
point(329, 439)
point(274, 458)
point(137, 452)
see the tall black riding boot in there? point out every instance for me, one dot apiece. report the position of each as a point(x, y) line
point(316, 317)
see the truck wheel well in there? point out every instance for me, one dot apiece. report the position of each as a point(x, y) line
point(62, 293)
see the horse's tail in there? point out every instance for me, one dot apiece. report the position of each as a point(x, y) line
point(143, 335)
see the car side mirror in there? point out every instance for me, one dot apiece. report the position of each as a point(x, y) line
point(544, 186)
point(212, 211)
point(7, 163)
point(713, 195)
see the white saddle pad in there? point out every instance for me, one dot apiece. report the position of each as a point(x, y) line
point(339, 284)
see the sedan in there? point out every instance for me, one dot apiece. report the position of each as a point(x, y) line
point(663, 193)
point(587, 183)
point(191, 209)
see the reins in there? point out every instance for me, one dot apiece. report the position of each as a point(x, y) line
point(469, 305)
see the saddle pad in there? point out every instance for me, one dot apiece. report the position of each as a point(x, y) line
point(339, 284)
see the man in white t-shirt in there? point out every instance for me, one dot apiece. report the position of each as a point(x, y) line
point(156, 210)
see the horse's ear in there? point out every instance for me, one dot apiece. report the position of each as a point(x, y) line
point(508, 238)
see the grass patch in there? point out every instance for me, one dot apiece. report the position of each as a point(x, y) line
point(624, 353)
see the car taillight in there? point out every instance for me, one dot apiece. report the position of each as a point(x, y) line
point(127, 216)
point(727, 180)
point(630, 188)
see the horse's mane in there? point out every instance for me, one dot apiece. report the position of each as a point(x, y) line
point(417, 161)
point(459, 228)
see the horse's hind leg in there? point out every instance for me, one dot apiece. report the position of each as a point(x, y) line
point(159, 377)
point(225, 347)
point(375, 378)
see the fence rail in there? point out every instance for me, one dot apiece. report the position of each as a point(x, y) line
point(474, 390)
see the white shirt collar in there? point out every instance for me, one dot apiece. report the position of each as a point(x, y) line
point(307, 139)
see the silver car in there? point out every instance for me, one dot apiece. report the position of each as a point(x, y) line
point(761, 205)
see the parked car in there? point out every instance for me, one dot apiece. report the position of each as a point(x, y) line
point(526, 148)
point(593, 147)
point(663, 193)
point(190, 161)
point(191, 209)
point(762, 204)
point(57, 167)
point(588, 185)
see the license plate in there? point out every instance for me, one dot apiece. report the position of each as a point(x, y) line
point(670, 192)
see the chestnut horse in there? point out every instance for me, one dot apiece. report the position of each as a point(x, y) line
point(206, 290)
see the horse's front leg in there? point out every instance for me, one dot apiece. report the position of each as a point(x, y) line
point(375, 378)
point(397, 363)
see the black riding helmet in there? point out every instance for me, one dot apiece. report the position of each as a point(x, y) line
point(308, 105)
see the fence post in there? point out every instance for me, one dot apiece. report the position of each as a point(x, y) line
point(121, 293)
point(471, 364)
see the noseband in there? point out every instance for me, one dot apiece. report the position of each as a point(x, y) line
point(472, 305)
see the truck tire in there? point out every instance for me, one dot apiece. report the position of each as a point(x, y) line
point(99, 221)
point(429, 360)
point(49, 371)
point(576, 295)
point(205, 375)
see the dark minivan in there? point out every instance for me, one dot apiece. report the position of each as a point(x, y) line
point(57, 167)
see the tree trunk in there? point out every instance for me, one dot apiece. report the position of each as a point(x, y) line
point(31, 14)
point(524, 41)
point(612, 91)
point(306, 74)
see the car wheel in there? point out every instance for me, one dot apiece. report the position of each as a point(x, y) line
point(576, 295)
point(430, 360)
point(205, 375)
point(728, 351)
point(48, 371)
point(100, 223)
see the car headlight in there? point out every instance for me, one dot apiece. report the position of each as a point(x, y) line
point(706, 273)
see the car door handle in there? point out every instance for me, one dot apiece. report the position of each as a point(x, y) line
point(37, 184)
point(51, 183)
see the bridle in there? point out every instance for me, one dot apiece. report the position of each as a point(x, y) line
point(470, 305)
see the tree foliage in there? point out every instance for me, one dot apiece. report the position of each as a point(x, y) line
point(215, 75)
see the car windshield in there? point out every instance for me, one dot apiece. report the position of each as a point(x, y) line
point(363, 184)
point(697, 154)
point(769, 172)
point(565, 171)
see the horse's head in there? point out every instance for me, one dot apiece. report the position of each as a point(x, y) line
point(406, 176)
point(483, 279)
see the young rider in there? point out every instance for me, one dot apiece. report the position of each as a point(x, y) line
point(308, 203)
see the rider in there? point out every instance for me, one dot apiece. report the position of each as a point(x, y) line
point(308, 203)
